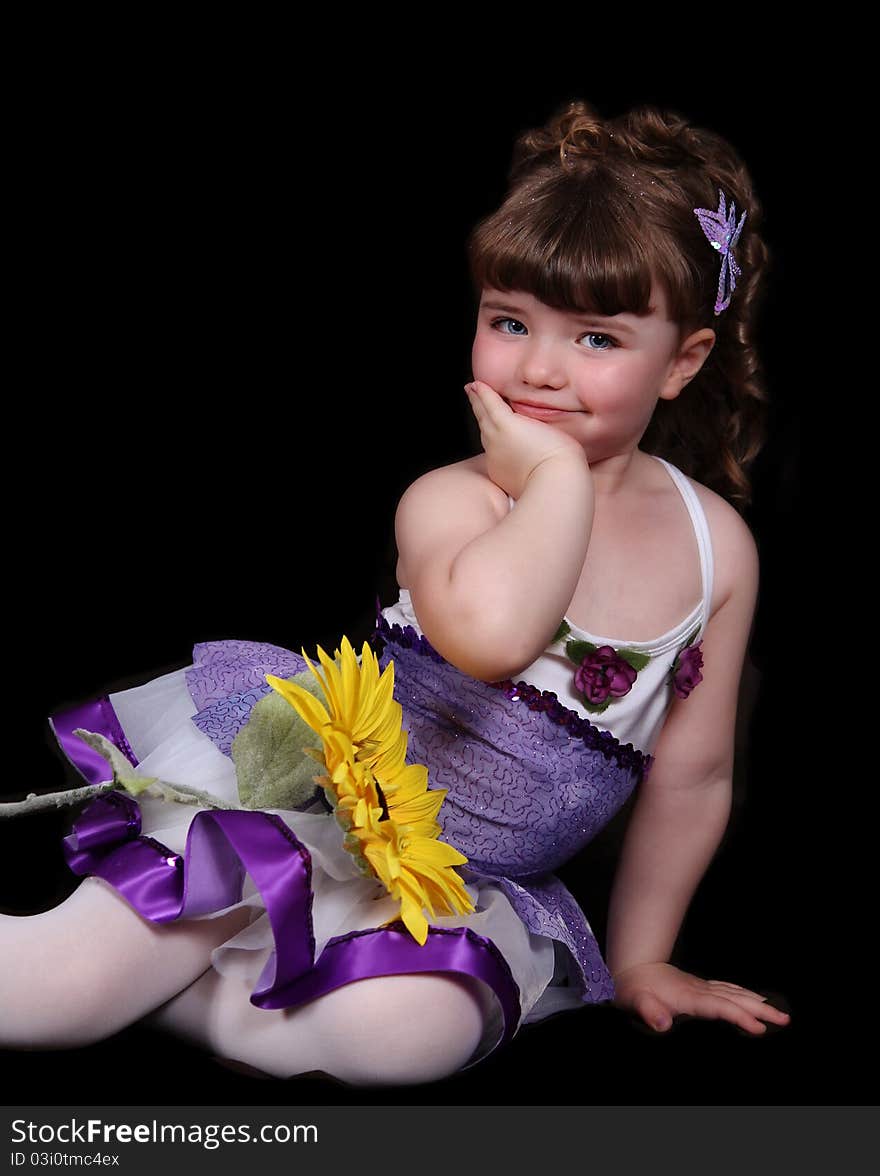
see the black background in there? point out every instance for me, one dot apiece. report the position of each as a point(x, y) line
point(248, 324)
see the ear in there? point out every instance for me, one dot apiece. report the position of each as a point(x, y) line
point(692, 354)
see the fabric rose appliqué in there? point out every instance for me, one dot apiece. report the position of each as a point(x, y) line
point(685, 673)
point(603, 673)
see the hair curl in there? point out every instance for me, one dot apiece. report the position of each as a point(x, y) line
point(598, 208)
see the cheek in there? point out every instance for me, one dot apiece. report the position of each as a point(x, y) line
point(485, 359)
point(600, 387)
point(615, 389)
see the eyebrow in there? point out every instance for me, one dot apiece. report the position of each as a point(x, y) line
point(589, 319)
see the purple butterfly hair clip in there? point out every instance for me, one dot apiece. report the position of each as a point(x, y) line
point(721, 234)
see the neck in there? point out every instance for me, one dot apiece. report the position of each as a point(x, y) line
point(612, 475)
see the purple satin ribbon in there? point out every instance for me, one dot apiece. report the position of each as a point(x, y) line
point(383, 951)
point(97, 715)
point(222, 846)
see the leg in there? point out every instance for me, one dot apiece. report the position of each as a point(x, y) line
point(391, 1030)
point(92, 965)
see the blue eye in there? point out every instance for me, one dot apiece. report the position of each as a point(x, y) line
point(597, 335)
point(495, 323)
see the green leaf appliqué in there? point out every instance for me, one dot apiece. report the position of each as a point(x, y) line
point(562, 632)
point(637, 660)
point(576, 651)
point(270, 752)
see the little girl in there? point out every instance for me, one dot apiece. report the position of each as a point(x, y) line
point(400, 919)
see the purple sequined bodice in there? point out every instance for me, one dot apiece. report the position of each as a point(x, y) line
point(524, 794)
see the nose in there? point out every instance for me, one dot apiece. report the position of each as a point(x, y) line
point(540, 366)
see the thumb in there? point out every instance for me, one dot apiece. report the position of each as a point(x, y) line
point(654, 1012)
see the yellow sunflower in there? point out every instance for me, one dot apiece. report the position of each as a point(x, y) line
point(384, 804)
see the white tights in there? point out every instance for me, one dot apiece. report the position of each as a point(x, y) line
point(91, 966)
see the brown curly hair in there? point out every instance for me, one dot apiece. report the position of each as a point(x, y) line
point(595, 210)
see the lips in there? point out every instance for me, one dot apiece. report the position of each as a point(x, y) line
point(540, 412)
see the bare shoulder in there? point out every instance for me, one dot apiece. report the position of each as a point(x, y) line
point(734, 550)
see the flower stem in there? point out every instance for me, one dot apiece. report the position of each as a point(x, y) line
point(34, 803)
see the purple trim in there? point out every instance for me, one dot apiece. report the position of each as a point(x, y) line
point(405, 636)
point(224, 845)
point(386, 951)
point(536, 700)
point(97, 715)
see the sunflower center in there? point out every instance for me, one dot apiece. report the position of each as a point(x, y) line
point(382, 801)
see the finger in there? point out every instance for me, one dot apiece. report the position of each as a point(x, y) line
point(755, 1002)
point(483, 387)
point(480, 394)
point(716, 1008)
point(769, 1012)
point(759, 1007)
point(496, 406)
point(476, 404)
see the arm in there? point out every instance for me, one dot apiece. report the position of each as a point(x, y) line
point(490, 585)
point(671, 839)
point(680, 817)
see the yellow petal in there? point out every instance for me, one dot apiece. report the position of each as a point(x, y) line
point(369, 699)
point(387, 758)
point(376, 696)
point(350, 686)
point(306, 705)
point(315, 674)
point(411, 914)
point(408, 783)
point(374, 852)
point(392, 860)
point(414, 808)
point(434, 853)
point(445, 888)
point(331, 682)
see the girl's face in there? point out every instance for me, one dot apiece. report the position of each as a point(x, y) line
point(596, 378)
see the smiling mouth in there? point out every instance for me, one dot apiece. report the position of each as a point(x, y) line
point(539, 411)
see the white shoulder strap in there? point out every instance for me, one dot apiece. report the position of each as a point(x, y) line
point(701, 529)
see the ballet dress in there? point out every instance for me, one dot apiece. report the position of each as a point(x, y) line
point(533, 769)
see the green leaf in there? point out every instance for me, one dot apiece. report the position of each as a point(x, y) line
point(638, 661)
point(124, 775)
point(562, 632)
point(595, 708)
point(576, 651)
point(270, 752)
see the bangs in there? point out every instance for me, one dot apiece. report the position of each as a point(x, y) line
point(577, 251)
